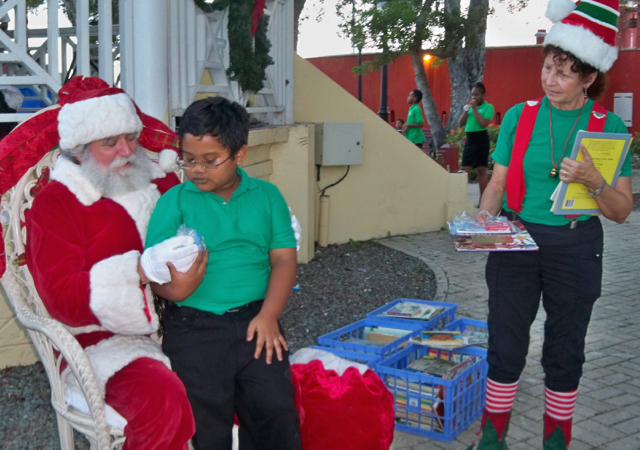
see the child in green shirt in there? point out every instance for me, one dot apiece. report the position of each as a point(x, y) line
point(223, 338)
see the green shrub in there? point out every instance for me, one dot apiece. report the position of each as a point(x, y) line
point(493, 131)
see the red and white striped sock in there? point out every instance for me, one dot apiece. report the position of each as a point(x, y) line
point(500, 396)
point(560, 405)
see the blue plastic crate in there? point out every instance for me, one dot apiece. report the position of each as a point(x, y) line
point(463, 324)
point(437, 323)
point(432, 406)
point(368, 359)
point(352, 337)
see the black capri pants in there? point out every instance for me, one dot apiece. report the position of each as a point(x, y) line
point(567, 271)
point(212, 357)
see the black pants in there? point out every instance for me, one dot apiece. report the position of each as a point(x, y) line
point(476, 149)
point(567, 270)
point(212, 357)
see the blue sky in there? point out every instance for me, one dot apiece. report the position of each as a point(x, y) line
point(321, 38)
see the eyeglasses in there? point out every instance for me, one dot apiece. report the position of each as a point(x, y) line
point(206, 164)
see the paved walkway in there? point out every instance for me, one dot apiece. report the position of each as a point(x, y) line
point(607, 415)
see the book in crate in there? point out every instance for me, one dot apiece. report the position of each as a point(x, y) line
point(378, 337)
point(412, 310)
point(451, 339)
point(428, 397)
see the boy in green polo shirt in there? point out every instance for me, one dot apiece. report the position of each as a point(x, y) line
point(224, 341)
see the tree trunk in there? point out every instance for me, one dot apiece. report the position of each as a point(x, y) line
point(475, 54)
point(467, 66)
point(429, 106)
point(459, 89)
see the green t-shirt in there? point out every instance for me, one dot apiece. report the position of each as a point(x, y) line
point(485, 110)
point(415, 135)
point(536, 206)
point(239, 235)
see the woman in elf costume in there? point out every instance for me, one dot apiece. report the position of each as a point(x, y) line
point(531, 158)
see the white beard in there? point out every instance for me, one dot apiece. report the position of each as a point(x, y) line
point(113, 183)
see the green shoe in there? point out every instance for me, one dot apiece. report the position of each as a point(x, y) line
point(490, 439)
point(556, 440)
point(557, 433)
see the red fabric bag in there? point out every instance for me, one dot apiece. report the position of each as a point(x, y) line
point(348, 411)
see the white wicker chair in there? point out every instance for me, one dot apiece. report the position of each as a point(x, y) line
point(53, 342)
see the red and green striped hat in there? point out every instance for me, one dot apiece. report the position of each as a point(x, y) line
point(586, 29)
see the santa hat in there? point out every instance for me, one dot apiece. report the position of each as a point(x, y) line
point(88, 109)
point(586, 29)
point(96, 118)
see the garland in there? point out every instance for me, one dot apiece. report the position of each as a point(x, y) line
point(248, 55)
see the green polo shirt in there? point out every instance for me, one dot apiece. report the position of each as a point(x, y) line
point(415, 135)
point(239, 235)
point(485, 110)
point(536, 206)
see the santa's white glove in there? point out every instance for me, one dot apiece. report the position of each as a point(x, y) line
point(181, 251)
point(297, 229)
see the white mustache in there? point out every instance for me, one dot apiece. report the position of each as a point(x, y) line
point(121, 161)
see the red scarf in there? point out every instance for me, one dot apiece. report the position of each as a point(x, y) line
point(515, 175)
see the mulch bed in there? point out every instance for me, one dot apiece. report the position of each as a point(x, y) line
point(338, 287)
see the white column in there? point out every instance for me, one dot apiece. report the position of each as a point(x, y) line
point(150, 56)
point(83, 62)
point(105, 31)
point(126, 46)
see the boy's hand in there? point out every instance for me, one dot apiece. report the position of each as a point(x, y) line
point(269, 336)
point(183, 284)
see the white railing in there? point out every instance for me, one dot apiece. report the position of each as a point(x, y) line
point(45, 58)
point(201, 52)
point(197, 48)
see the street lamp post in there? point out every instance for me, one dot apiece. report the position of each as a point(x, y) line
point(383, 112)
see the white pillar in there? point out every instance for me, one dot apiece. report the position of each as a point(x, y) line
point(150, 56)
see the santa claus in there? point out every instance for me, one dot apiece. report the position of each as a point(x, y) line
point(85, 238)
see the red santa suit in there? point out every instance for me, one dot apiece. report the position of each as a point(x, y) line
point(83, 252)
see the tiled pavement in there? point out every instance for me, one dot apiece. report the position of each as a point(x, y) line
point(607, 415)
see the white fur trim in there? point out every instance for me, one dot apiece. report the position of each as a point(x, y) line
point(111, 355)
point(157, 172)
point(140, 204)
point(168, 160)
point(559, 9)
point(69, 174)
point(116, 298)
point(583, 44)
point(328, 360)
point(97, 118)
point(532, 102)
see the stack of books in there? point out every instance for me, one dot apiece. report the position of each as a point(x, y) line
point(429, 396)
point(499, 234)
point(411, 310)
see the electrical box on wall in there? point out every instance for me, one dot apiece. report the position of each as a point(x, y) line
point(339, 143)
point(623, 107)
